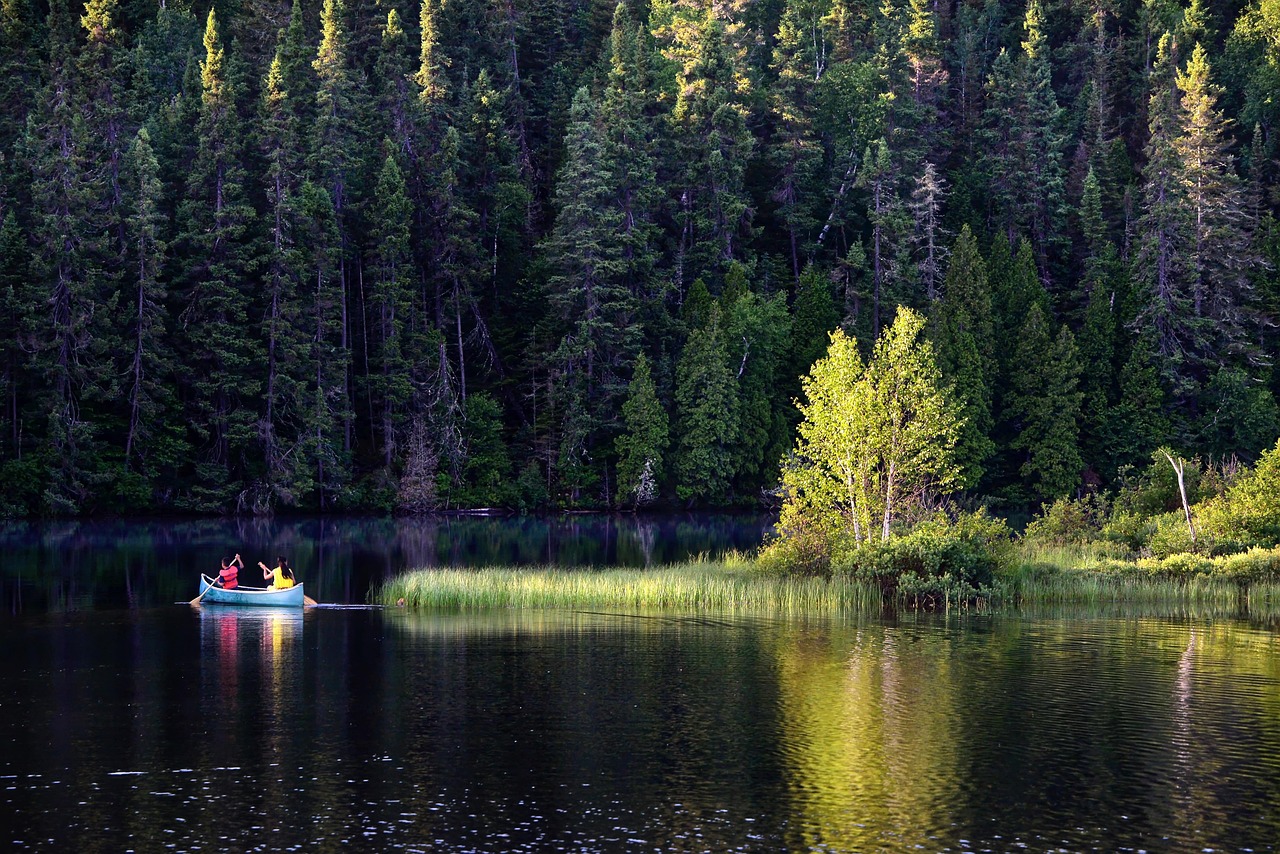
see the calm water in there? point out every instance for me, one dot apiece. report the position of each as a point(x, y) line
point(218, 728)
point(80, 565)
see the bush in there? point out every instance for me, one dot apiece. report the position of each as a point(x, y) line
point(1253, 565)
point(805, 547)
point(939, 557)
point(1069, 521)
point(1170, 536)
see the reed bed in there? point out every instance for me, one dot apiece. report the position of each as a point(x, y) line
point(728, 586)
point(1088, 587)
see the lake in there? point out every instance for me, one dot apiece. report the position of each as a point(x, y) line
point(210, 728)
point(110, 564)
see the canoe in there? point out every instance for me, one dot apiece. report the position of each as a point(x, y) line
point(289, 597)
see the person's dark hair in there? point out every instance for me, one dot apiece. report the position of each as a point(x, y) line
point(225, 563)
point(285, 569)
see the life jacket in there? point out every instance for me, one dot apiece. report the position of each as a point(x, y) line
point(281, 581)
point(230, 577)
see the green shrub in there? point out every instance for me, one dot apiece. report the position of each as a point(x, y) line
point(1253, 565)
point(938, 557)
point(1069, 521)
point(1184, 565)
point(1169, 536)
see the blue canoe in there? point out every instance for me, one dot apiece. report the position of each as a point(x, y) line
point(290, 597)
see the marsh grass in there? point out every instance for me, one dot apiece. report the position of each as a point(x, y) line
point(731, 585)
point(1086, 576)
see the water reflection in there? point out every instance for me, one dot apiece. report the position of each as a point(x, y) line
point(238, 728)
point(67, 566)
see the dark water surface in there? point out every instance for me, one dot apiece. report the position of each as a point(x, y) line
point(64, 566)
point(131, 723)
point(242, 729)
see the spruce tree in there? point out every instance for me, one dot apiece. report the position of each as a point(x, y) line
point(713, 145)
point(642, 445)
point(1221, 256)
point(222, 359)
point(799, 60)
point(68, 345)
point(706, 415)
point(1044, 404)
point(152, 444)
point(390, 273)
point(962, 333)
point(324, 409)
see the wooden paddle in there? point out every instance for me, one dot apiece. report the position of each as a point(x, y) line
point(307, 600)
point(196, 601)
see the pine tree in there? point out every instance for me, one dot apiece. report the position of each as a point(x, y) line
point(1221, 256)
point(1140, 423)
point(283, 331)
point(1025, 138)
point(713, 144)
point(928, 234)
point(324, 402)
point(1044, 403)
point(630, 152)
point(962, 333)
point(19, 69)
point(706, 415)
point(68, 348)
point(102, 63)
point(430, 77)
point(889, 227)
point(16, 330)
point(799, 61)
point(757, 340)
point(152, 445)
point(643, 442)
point(221, 360)
point(813, 316)
point(392, 291)
point(587, 291)
point(334, 158)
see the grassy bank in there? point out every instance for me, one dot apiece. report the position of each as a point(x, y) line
point(1059, 576)
point(724, 586)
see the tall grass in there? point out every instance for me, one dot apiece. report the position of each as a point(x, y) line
point(725, 586)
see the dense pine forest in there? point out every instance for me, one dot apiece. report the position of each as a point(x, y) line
point(557, 253)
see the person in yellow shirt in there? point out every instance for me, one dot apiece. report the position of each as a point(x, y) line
point(281, 577)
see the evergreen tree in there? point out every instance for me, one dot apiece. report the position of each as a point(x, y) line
point(152, 444)
point(1140, 422)
point(392, 291)
point(324, 408)
point(757, 341)
point(1023, 132)
point(284, 332)
point(962, 333)
point(799, 60)
point(889, 227)
point(587, 292)
point(68, 349)
point(643, 442)
point(1220, 256)
point(19, 68)
point(102, 64)
point(813, 317)
point(713, 145)
point(1044, 403)
point(707, 415)
point(222, 362)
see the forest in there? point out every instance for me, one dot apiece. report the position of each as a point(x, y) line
point(258, 257)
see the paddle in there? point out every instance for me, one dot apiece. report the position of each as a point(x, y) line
point(196, 601)
point(307, 600)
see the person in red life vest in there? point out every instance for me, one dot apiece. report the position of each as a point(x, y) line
point(229, 577)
